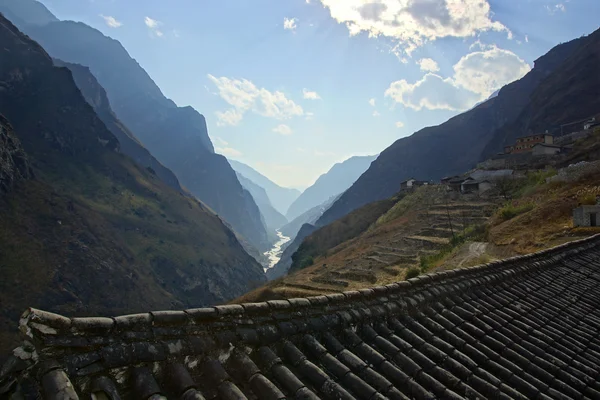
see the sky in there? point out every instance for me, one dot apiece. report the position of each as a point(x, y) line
point(291, 87)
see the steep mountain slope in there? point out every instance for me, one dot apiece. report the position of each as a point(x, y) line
point(309, 217)
point(176, 136)
point(14, 165)
point(297, 231)
point(339, 178)
point(272, 218)
point(450, 148)
point(94, 232)
point(37, 13)
point(280, 197)
point(569, 94)
point(95, 95)
point(284, 264)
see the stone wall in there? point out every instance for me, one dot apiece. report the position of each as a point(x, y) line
point(581, 215)
point(575, 172)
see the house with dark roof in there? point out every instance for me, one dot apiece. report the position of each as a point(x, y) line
point(524, 328)
point(411, 184)
point(471, 185)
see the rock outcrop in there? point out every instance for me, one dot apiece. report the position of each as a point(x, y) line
point(14, 165)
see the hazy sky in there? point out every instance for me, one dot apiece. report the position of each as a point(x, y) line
point(292, 86)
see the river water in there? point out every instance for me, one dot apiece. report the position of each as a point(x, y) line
point(274, 255)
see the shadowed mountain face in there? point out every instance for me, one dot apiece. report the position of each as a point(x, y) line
point(280, 197)
point(176, 136)
point(129, 145)
point(452, 147)
point(93, 232)
point(273, 219)
point(339, 178)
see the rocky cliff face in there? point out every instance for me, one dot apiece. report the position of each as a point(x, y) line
point(176, 136)
point(14, 165)
point(94, 232)
point(450, 148)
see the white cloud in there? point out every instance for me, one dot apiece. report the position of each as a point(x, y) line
point(476, 76)
point(290, 23)
point(428, 65)
point(151, 23)
point(431, 92)
point(556, 8)
point(309, 116)
point(399, 124)
point(484, 72)
point(412, 23)
point(228, 151)
point(376, 113)
point(309, 95)
point(230, 117)
point(372, 102)
point(154, 26)
point(111, 21)
point(283, 130)
point(245, 96)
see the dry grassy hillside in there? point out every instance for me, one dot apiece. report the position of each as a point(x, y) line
point(417, 226)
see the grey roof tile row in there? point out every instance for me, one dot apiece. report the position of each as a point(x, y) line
point(527, 327)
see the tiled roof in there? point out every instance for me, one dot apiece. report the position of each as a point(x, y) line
point(524, 328)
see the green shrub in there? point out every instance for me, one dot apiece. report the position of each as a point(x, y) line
point(307, 262)
point(413, 272)
point(588, 199)
point(509, 211)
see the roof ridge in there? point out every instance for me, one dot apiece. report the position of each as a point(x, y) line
point(38, 324)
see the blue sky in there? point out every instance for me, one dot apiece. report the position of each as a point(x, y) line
point(292, 86)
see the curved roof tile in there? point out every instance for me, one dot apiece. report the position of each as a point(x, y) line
point(525, 327)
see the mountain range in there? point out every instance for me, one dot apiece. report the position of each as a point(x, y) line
point(84, 228)
point(281, 198)
point(460, 143)
point(273, 219)
point(339, 178)
point(176, 136)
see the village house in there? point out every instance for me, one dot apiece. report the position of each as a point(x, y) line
point(542, 149)
point(592, 123)
point(471, 185)
point(525, 144)
point(455, 183)
point(411, 184)
point(586, 216)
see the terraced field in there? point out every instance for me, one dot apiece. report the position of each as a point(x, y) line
point(421, 226)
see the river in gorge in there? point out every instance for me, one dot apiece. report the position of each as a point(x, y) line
point(274, 255)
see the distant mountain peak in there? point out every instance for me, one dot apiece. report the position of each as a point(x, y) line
point(335, 181)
